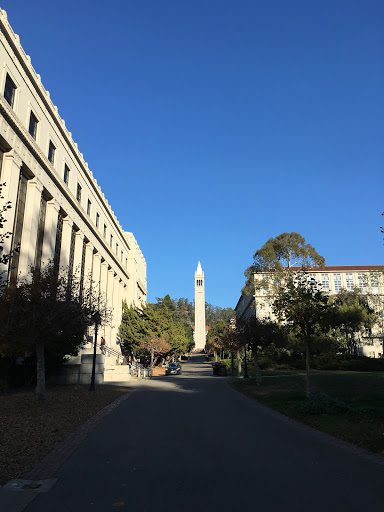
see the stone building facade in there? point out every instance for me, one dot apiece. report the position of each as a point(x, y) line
point(58, 210)
point(330, 279)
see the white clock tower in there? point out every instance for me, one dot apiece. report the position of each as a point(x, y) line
point(200, 332)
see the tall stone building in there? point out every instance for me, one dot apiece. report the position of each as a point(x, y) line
point(58, 210)
point(200, 331)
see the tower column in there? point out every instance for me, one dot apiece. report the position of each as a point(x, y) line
point(200, 331)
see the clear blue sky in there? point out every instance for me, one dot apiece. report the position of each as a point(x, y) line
point(213, 125)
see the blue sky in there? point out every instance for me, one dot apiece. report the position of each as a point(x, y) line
point(214, 125)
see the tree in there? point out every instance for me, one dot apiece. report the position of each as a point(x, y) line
point(352, 313)
point(260, 334)
point(4, 258)
point(160, 320)
point(286, 250)
point(46, 313)
point(214, 314)
point(231, 341)
point(215, 337)
point(307, 311)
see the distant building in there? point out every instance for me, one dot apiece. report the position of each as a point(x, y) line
point(57, 210)
point(330, 279)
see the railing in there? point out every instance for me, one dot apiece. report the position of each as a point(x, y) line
point(108, 351)
point(135, 369)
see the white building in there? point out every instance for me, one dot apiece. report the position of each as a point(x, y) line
point(330, 279)
point(58, 210)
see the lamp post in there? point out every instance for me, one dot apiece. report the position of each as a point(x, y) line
point(92, 387)
point(246, 376)
point(151, 370)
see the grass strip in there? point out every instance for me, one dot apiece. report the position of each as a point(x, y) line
point(363, 394)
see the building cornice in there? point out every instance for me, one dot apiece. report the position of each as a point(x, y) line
point(25, 61)
point(20, 131)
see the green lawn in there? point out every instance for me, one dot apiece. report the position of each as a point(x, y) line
point(362, 391)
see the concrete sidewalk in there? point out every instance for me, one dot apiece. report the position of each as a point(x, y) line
point(193, 443)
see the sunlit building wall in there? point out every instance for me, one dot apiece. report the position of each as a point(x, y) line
point(58, 211)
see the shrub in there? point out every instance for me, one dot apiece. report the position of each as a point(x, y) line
point(323, 403)
point(3, 386)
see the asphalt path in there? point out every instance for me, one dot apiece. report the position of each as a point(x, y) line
point(191, 443)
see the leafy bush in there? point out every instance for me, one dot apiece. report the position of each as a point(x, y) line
point(323, 403)
point(3, 386)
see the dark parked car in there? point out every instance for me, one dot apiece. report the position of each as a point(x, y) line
point(173, 369)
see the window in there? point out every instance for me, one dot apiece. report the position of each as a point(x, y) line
point(375, 283)
point(111, 241)
point(117, 248)
point(126, 262)
point(78, 192)
point(33, 125)
point(9, 91)
point(97, 220)
point(362, 278)
point(313, 282)
point(105, 231)
point(51, 152)
point(66, 174)
point(265, 285)
point(59, 232)
point(349, 281)
point(18, 227)
point(121, 256)
point(325, 282)
point(89, 207)
point(337, 282)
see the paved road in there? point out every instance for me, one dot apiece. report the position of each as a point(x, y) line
point(190, 443)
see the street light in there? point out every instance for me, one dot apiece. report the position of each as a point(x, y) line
point(92, 387)
point(246, 376)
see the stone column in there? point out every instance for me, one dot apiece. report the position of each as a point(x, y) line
point(109, 328)
point(103, 291)
point(50, 229)
point(30, 226)
point(10, 175)
point(66, 242)
point(78, 254)
point(96, 274)
point(120, 309)
point(88, 266)
point(116, 311)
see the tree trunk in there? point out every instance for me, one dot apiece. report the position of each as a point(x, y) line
point(233, 363)
point(257, 367)
point(308, 388)
point(238, 355)
point(40, 372)
point(215, 353)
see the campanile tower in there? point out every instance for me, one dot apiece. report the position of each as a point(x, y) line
point(199, 335)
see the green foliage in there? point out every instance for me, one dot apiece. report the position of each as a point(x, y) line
point(215, 314)
point(3, 386)
point(47, 313)
point(4, 258)
point(287, 249)
point(352, 313)
point(322, 403)
point(161, 326)
point(305, 309)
